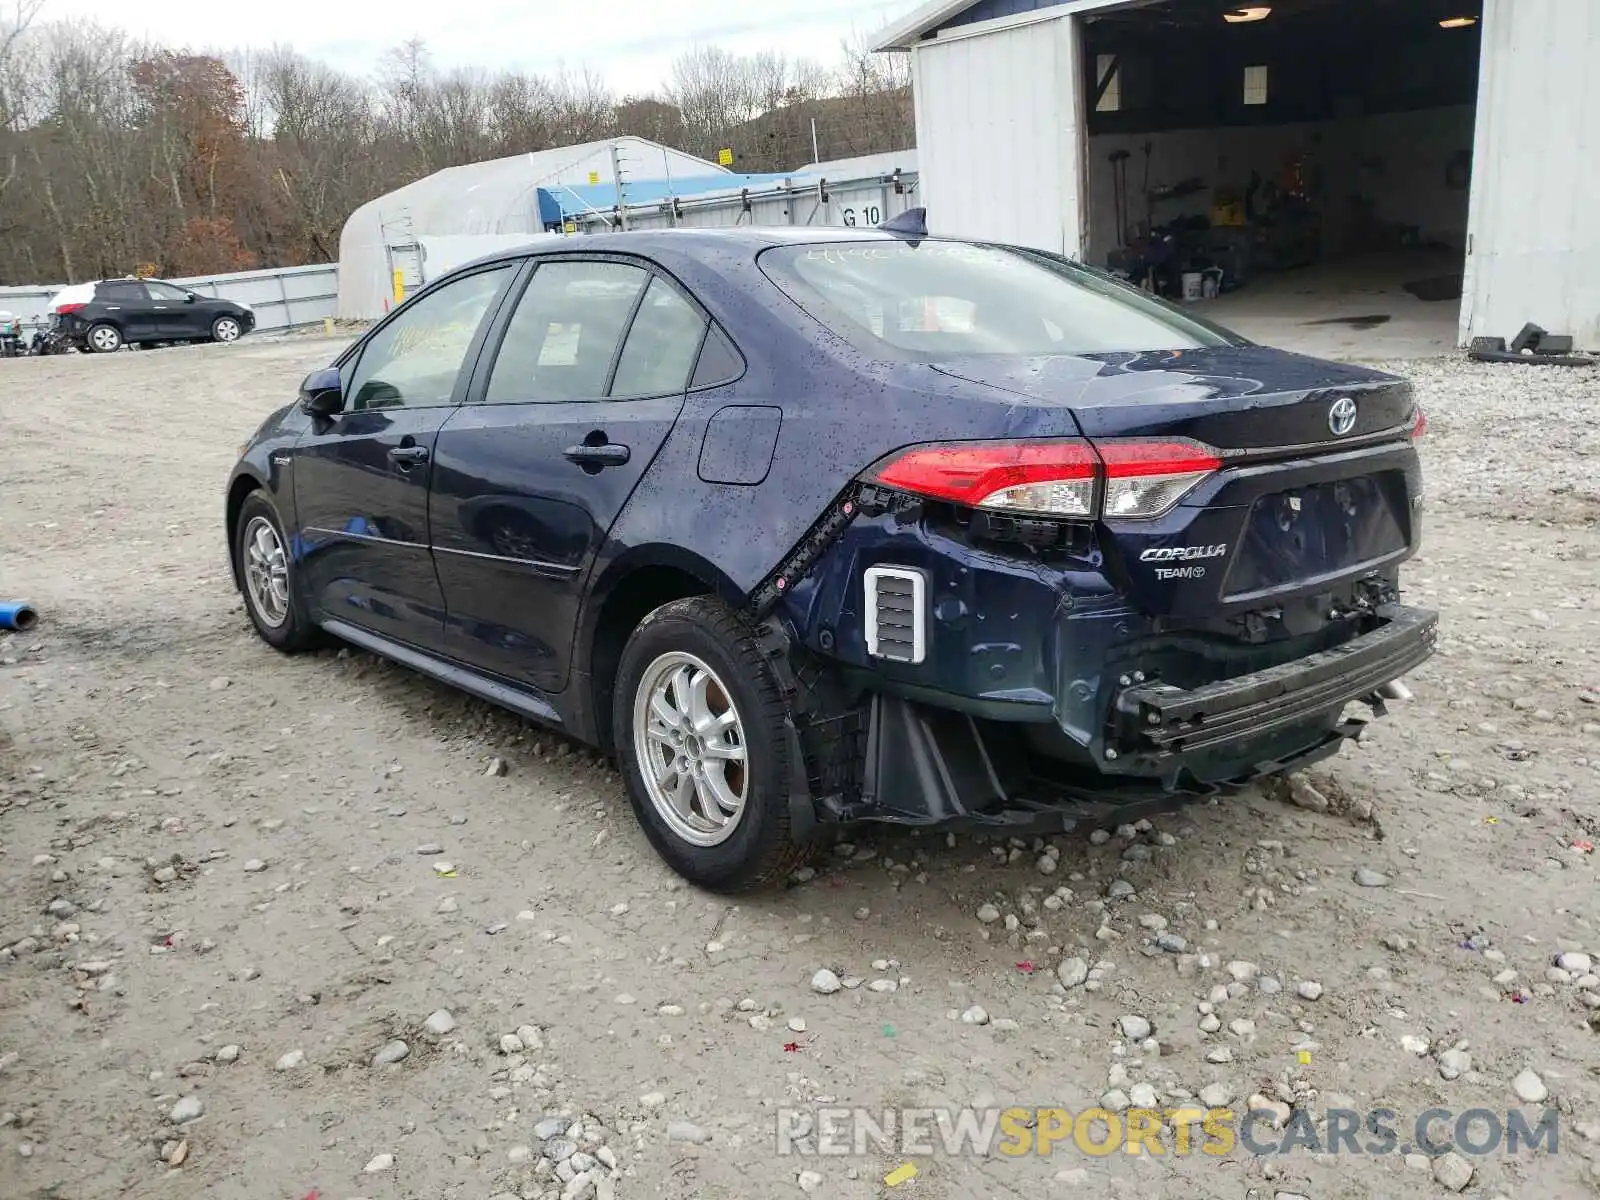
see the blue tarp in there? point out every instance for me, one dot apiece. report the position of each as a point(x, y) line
point(565, 200)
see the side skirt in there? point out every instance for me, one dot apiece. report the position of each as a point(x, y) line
point(485, 687)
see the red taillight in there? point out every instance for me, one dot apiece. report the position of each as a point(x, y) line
point(68, 308)
point(1145, 479)
point(1420, 426)
point(1132, 479)
point(1056, 478)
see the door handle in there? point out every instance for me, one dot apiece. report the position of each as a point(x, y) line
point(408, 456)
point(608, 454)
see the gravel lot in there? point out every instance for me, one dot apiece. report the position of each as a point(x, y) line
point(232, 884)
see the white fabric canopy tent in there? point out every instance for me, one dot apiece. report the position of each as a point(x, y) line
point(460, 213)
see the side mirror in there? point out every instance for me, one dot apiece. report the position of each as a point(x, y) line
point(190, 297)
point(322, 393)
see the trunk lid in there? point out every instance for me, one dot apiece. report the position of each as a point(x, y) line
point(1311, 495)
point(1230, 397)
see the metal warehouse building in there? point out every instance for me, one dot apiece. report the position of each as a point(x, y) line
point(1434, 159)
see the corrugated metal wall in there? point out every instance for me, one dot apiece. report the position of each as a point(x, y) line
point(999, 135)
point(1533, 234)
point(283, 298)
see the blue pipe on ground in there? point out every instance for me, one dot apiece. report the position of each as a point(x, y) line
point(14, 614)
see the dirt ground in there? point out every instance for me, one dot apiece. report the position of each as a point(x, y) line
point(230, 881)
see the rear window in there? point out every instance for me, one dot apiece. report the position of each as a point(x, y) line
point(940, 299)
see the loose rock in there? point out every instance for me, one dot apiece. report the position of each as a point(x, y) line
point(825, 982)
point(1454, 1063)
point(1530, 1089)
point(1072, 972)
point(683, 1131)
point(1452, 1172)
point(395, 1051)
point(1134, 1027)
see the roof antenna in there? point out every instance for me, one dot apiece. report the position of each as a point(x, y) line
point(912, 224)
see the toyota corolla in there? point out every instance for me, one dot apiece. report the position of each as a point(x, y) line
point(813, 527)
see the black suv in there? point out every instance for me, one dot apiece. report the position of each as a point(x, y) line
point(99, 318)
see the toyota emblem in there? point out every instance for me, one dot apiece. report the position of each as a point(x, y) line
point(1342, 416)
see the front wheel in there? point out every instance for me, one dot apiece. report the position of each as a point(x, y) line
point(261, 552)
point(103, 339)
point(700, 730)
point(225, 329)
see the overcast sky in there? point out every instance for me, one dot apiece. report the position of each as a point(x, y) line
point(630, 42)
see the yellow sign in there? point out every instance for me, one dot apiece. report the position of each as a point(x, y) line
point(725, 158)
point(904, 1173)
point(570, 227)
point(594, 176)
point(399, 286)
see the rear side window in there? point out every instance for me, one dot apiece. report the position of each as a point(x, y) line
point(121, 293)
point(165, 291)
point(939, 299)
point(563, 336)
point(662, 345)
point(719, 361)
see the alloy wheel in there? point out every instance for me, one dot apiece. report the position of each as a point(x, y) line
point(266, 572)
point(690, 745)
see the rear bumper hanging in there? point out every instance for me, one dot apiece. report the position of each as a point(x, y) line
point(1156, 728)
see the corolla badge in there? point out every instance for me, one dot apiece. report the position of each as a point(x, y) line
point(1342, 416)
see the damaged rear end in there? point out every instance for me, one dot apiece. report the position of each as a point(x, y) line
point(1181, 589)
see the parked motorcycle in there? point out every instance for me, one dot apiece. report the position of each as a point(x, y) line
point(47, 339)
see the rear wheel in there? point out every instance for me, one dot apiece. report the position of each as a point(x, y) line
point(103, 339)
point(265, 566)
point(700, 724)
point(225, 329)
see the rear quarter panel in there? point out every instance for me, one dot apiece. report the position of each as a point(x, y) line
point(841, 412)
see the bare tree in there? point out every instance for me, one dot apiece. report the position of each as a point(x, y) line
point(116, 155)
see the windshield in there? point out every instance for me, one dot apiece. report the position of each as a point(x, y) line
point(937, 299)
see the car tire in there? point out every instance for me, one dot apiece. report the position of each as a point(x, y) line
point(701, 647)
point(265, 571)
point(103, 338)
point(226, 329)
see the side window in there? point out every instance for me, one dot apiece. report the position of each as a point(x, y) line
point(121, 292)
point(719, 361)
point(165, 291)
point(413, 361)
point(662, 344)
point(562, 338)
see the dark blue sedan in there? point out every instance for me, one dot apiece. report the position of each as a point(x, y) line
point(809, 527)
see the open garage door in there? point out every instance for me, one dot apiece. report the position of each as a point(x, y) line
point(1308, 163)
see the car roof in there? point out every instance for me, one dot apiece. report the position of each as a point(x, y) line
point(649, 242)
